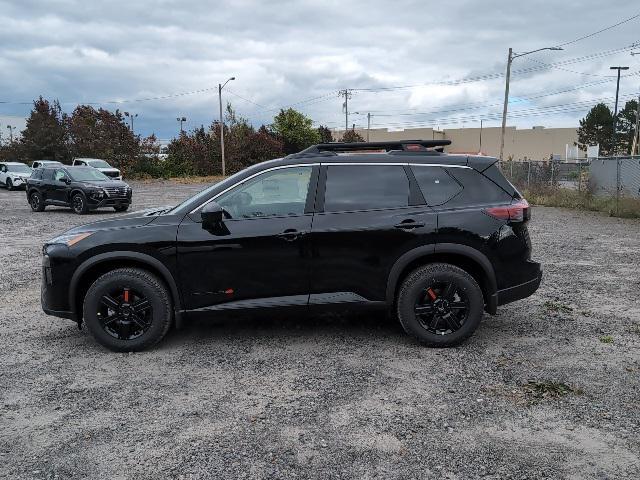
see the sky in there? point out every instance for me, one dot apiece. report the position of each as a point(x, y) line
point(408, 63)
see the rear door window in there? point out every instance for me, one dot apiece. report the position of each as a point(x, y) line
point(476, 189)
point(47, 174)
point(365, 187)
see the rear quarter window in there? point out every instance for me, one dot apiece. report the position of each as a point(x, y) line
point(476, 189)
point(436, 185)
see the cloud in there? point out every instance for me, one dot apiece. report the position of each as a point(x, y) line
point(282, 53)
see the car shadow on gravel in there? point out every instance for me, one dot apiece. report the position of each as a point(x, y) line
point(288, 325)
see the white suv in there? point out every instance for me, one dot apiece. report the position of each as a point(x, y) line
point(14, 175)
point(99, 164)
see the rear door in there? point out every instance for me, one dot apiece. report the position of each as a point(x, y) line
point(368, 216)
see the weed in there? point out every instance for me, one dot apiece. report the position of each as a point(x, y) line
point(555, 306)
point(606, 339)
point(547, 389)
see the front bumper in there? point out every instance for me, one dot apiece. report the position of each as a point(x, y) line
point(520, 291)
point(54, 291)
point(19, 182)
point(109, 202)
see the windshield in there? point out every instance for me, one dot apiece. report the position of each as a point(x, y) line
point(87, 175)
point(18, 168)
point(98, 164)
point(204, 193)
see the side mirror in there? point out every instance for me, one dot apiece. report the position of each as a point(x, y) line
point(66, 180)
point(212, 215)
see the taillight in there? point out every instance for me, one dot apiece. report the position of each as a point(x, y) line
point(516, 212)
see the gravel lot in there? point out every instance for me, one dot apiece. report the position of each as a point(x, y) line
point(332, 396)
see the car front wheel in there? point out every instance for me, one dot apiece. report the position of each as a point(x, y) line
point(440, 304)
point(79, 204)
point(127, 310)
point(9, 184)
point(36, 202)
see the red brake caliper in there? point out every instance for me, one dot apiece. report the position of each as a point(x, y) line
point(431, 294)
point(125, 296)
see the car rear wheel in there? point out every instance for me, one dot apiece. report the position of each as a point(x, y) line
point(127, 310)
point(440, 304)
point(79, 204)
point(36, 202)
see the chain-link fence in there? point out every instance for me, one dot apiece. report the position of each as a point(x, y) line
point(607, 178)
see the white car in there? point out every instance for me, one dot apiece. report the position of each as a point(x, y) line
point(45, 163)
point(14, 175)
point(104, 167)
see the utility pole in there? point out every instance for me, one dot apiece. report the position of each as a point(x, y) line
point(11, 129)
point(347, 95)
point(480, 150)
point(635, 149)
point(511, 57)
point(369, 124)
point(181, 119)
point(220, 87)
point(615, 112)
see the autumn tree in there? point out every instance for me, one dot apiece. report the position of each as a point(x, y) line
point(626, 127)
point(45, 136)
point(102, 134)
point(295, 130)
point(351, 136)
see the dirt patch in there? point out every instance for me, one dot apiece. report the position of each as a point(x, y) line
point(332, 396)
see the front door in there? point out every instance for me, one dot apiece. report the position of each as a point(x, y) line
point(59, 189)
point(259, 256)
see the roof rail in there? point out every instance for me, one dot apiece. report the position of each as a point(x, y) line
point(405, 145)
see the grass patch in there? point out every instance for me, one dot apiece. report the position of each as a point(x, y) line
point(181, 180)
point(542, 389)
point(561, 197)
point(555, 306)
point(606, 339)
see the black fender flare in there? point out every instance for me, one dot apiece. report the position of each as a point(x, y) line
point(140, 257)
point(454, 248)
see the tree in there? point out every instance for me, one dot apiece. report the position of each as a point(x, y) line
point(597, 128)
point(102, 134)
point(626, 126)
point(351, 136)
point(45, 136)
point(325, 134)
point(295, 130)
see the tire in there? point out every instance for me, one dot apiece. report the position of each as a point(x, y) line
point(9, 184)
point(123, 208)
point(79, 203)
point(106, 318)
point(440, 304)
point(36, 202)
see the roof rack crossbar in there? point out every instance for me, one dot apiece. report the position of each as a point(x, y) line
point(408, 145)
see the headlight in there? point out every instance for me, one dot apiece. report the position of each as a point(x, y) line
point(96, 193)
point(70, 240)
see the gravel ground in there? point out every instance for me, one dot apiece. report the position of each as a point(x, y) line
point(548, 388)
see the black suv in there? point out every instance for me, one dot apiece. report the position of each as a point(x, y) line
point(434, 238)
point(80, 188)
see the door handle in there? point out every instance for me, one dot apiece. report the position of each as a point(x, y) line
point(409, 224)
point(290, 234)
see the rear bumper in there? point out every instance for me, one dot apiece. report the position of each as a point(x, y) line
point(521, 291)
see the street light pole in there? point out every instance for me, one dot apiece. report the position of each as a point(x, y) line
point(510, 59)
point(368, 124)
point(220, 87)
point(181, 119)
point(10, 133)
point(615, 111)
point(480, 150)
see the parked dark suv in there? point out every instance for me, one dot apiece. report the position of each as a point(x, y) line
point(434, 238)
point(80, 188)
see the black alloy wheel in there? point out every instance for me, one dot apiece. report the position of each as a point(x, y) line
point(128, 309)
point(440, 304)
point(79, 204)
point(442, 308)
point(9, 184)
point(125, 314)
point(35, 200)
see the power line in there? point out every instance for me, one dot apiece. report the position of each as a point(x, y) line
point(584, 37)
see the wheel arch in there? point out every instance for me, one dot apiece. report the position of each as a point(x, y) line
point(468, 258)
point(91, 269)
point(73, 192)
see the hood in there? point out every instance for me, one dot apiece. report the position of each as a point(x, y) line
point(24, 176)
point(133, 219)
point(109, 183)
point(105, 169)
